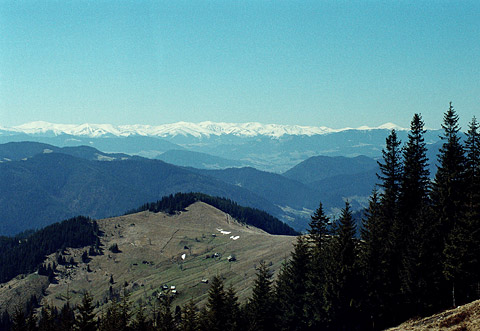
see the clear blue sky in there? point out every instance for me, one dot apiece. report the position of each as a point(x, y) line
point(332, 63)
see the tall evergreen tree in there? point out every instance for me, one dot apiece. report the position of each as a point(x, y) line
point(18, 320)
point(189, 317)
point(413, 204)
point(291, 296)
point(391, 174)
point(415, 181)
point(472, 148)
point(449, 184)
point(47, 320)
point(376, 265)
point(85, 319)
point(217, 314)
point(448, 199)
point(260, 306)
point(165, 320)
point(67, 318)
point(233, 308)
point(341, 275)
point(318, 235)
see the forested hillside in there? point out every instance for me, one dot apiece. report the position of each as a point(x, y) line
point(418, 253)
point(24, 254)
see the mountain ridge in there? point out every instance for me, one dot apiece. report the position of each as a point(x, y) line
point(201, 129)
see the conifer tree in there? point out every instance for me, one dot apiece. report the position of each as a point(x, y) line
point(318, 235)
point(318, 227)
point(141, 323)
point(18, 320)
point(85, 319)
point(67, 317)
point(341, 275)
point(217, 313)
point(47, 320)
point(376, 264)
point(165, 320)
point(233, 309)
point(125, 310)
point(189, 317)
point(391, 174)
point(409, 226)
point(291, 297)
point(472, 215)
point(449, 184)
point(414, 183)
point(448, 201)
point(260, 306)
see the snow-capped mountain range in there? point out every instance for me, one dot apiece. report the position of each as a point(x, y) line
point(198, 130)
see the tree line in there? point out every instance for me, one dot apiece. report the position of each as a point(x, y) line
point(178, 202)
point(24, 253)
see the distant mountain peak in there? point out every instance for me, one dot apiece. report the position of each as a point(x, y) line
point(201, 129)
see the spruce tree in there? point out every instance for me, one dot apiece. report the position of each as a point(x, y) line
point(448, 200)
point(409, 226)
point(391, 174)
point(141, 323)
point(67, 317)
point(18, 320)
point(260, 306)
point(85, 319)
point(449, 184)
point(376, 265)
point(472, 214)
point(318, 235)
point(189, 317)
point(217, 314)
point(342, 297)
point(165, 320)
point(233, 308)
point(291, 296)
point(415, 181)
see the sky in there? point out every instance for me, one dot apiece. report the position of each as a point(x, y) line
point(322, 63)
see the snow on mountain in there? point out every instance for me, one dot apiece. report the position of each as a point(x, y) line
point(202, 129)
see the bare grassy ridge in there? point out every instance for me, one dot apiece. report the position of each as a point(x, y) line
point(463, 318)
point(151, 248)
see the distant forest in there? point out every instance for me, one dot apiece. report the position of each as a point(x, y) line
point(419, 252)
point(251, 216)
point(24, 254)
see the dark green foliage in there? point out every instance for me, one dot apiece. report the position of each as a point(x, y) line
point(449, 185)
point(291, 296)
point(18, 320)
point(341, 275)
point(176, 203)
point(376, 264)
point(415, 180)
point(164, 319)
point(189, 317)
point(25, 255)
point(261, 306)
point(85, 318)
point(141, 322)
point(67, 318)
point(217, 314)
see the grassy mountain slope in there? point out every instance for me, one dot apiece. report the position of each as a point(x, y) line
point(151, 246)
point(466, 317)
